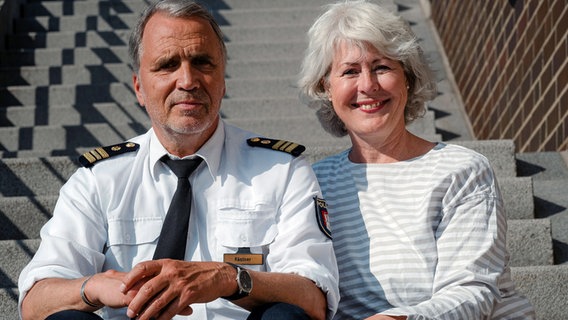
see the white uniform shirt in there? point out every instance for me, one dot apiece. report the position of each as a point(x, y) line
point(110, 216)
point(423, 237)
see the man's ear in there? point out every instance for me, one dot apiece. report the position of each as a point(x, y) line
point(138, 89)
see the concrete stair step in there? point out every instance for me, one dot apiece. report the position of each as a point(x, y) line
point(502, 151)
point(66, 115)
point(121, 72)
point(67, 94)
point(58, 57)
point(69, 74)
point(518, 197)
point(123, 93)
point(27, 154)
point(125, 21)
point(9, 303)
point(74, 39)
point(67, 39)
point(113, 113)
point(30, 177)
point(545, 287)
point(68, 137)
point(530, 242)
point(16, 254)
point(550, 181)
point(103, 8)
point(22, 217)
point(273, 50)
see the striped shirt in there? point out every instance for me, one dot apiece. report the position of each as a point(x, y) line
point(423, 237)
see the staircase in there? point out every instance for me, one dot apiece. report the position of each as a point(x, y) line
point(65, 87)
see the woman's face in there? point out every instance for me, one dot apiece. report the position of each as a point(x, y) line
point(368, 91)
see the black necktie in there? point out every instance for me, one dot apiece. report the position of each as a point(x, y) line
point(173, 236)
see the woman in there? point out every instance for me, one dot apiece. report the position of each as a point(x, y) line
point(418, 227)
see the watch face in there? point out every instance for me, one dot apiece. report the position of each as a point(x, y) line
point(245, 281)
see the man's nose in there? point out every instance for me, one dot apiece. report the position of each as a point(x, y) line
point(187, 77)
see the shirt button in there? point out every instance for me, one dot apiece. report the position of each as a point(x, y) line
point(127, 237)
point(243, 237)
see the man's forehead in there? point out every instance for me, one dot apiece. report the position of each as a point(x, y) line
point(165, 30)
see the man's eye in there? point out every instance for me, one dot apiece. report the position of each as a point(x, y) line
point(202, 63)
point(168, 65)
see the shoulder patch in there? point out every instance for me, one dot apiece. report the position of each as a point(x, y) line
point(322, 216)
point(280, 145)
point(88, 159)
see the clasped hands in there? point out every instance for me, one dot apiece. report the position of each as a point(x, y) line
point(161, 289)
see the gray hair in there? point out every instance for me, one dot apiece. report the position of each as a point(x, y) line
point(360, 22)
point(176, 9)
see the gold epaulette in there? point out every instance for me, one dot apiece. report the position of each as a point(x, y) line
point(88, 159)
point(280, 145)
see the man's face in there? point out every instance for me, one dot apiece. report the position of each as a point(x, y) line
point(181, 77)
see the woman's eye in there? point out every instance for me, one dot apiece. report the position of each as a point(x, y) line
point(382, 68)
point(349, 72)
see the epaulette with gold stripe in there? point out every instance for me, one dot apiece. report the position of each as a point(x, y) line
point(88, 159)
point(280, 145)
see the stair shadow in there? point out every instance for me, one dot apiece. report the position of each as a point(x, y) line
point(6, 282)
point(546, 209)
point(4, 122)
point(8, 99)
point(12, 77)
point(8, 229)
point(439, 114)
point(560, 250)
point(81, 137)
point(527, 169)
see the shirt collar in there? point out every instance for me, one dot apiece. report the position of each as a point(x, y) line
point(210, 151)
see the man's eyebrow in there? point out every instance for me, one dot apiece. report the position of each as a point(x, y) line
point(203, 56)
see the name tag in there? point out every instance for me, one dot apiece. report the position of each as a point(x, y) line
point(243, 256)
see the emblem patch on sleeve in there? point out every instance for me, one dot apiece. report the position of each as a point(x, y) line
point(322, 216)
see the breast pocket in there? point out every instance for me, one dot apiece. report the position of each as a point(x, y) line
point(244, 230)
point(132, 241)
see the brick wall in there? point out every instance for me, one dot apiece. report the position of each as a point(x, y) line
point(510, 62)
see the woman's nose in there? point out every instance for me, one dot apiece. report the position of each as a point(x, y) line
point(368, 82)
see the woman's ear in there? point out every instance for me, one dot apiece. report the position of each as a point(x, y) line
point(324, 86)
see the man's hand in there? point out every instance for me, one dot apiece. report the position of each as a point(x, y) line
point(104, 289)
point(161, 289)
point(56, 294)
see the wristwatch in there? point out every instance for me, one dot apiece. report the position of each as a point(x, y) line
point(244, 283)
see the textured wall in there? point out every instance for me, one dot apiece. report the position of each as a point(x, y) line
point(510, 61)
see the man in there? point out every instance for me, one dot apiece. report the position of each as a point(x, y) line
point(251, 205)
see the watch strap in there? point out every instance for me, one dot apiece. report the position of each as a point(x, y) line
point(239, 294)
